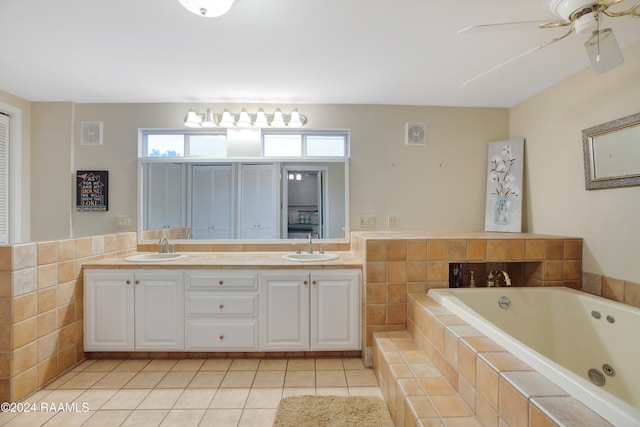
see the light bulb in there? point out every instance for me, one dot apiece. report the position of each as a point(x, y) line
point(192, 120)
point(209, 121)
point(278, 120)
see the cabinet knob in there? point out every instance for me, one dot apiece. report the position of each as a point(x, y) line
point(221, 337)
point(305, 282)
point(128, 282)
point(221, 282)
point(137, 282)
point(221, 306)
point(314, 282)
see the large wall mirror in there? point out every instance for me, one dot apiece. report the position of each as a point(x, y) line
point(612, 153)
point(254, 200)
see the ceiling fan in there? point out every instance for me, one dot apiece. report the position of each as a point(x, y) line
point(581, 17)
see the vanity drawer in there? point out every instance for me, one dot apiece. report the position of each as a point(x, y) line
point(221, 280)
point(221, 304)
point(208, 335)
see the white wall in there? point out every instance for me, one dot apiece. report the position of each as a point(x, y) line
point(556, 199)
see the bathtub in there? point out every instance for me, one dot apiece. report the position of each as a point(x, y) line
point(563, 334)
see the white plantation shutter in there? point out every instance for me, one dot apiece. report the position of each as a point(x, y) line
point(4, 179)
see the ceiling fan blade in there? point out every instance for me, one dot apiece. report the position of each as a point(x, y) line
point(540, 46)
point(603, 51)
point(502, 26)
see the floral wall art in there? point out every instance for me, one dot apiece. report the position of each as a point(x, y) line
point(504, 186)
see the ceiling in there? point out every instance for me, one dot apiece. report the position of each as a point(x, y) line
point(405, 52)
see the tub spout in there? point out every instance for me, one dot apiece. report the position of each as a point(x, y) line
point(498, 278)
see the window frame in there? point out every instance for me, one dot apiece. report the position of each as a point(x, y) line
point(186, 135)
point(304, 136)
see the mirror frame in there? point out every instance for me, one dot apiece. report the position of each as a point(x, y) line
point(592, 183)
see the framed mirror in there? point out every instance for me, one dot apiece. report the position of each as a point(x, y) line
point(612, 153)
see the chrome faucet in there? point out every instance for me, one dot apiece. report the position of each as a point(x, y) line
point(164, 245)
point(309, 247)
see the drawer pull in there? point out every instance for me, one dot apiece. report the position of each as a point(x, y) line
point(221, 282)
point(221, 306)
point(314, 282)
point(221, 337)
point(128, 282)
point(137, 282)
point(305, 282)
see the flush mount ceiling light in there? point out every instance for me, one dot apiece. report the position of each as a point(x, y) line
point(244, 119)
point(207, 8)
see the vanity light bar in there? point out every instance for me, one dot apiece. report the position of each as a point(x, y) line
point(244, 120)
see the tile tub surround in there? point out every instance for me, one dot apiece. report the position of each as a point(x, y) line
point(396, 264)
point(41, 327)
point(447, 360)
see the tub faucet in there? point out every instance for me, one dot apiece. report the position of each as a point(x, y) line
point(164, 245)
point(498, 278)
point(309, 247)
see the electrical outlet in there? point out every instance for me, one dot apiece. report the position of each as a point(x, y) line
point(367, 221)
point(391, 221)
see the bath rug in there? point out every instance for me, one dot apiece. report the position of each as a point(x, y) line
point(332, 411)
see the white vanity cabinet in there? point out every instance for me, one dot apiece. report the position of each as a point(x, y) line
point(221, 308)
point(310, 310)
point(127, 310)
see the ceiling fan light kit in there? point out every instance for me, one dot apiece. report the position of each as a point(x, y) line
point(582, 17)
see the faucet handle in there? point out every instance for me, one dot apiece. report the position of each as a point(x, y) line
point(297, 245)
point(321, 248)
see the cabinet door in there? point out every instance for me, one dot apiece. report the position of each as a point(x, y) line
point(335, 311)
point(258, 202)
point(108, 311)
point(159, 310)
point(284, 311)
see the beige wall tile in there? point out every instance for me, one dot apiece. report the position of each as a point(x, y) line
point(66, 271)
point(66, 293)
point(437, 271)
point(66, 358)
point(24, 332)
point(632, 293)
point(396, 271)
point(24, 255)
point(573, 249)
point(66, 314)
point(47, 346)
point(83, 247)
point(110, 243)
point(23, 384)
point(376, 314)
point(5, 337)
point(416, 271)
point(416, 250)
point(396, 293)
point(376, 293)
point(572, 270)
point(554, 249)
point(487, 384)
point(47, 275)
point(477, 250)
point(396, 250)
point(24, 306)
point(437, 250)
point(47, 322)
point(97, 245)
point(397, 314)
point(5, 284)
point(514, 407)
point(5, 258)
point(534, 249)
point(23, 358)
point(47, 252)
point(24, 281)
point(456, 250)
point(515, 250)
point(5, 364)
point(66, 250)
point(496, 250)
point(613, 288)
point(47, 299)
point(47, 370)
point(376, 272)
point(467, 363)
point(5, 310)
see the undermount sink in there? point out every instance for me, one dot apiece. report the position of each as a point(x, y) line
point(155, 256)
point(310, 257)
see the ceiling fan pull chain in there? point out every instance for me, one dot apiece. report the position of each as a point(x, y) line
point(598, 30)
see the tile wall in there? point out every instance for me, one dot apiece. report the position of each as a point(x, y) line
point(398, 264)
point(41, 326)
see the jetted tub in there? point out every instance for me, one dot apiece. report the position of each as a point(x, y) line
point(571, 337)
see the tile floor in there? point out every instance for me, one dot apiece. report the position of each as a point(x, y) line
point(187, 392)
